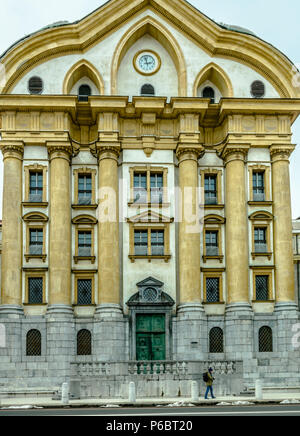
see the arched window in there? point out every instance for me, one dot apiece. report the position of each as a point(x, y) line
point(35, 85)
point(84, 343)
point(258, 89)
point(265, 340)
point(216, 340)
point(147, 89)
point(84, 92)
point(33, 343)
point(209, 92)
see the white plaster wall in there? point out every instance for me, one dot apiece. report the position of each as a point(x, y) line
point(53, 71)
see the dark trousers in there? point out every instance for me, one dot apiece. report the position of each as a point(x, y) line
point(209, 389)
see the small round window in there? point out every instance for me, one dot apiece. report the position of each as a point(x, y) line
point(257, 89)
point(35, 85)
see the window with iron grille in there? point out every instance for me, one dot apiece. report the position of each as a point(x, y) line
point(258, 89)
point(210, 188)
point(36, 241)
point(141, 242)
point(84, 243)
point(84, 189)
point(212, 289)
point(156, 187)
point(84, 92)
point(35, 290)
point(262, 287)
point(211, 242)
point(260, 240)
point(258, 185)
point(140, 187)
point(157, 242)
point(216, 340)
point(84, 292)
point(84, 343)
point(33, 343)
point(208, 92)
point(36, 187)
point(265, 339)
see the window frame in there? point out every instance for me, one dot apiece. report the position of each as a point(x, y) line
point(213, 223)
point(262, 219)
point(84, 171)
point(213, 274)
point(35, 221)
point(267, 188)
point(84, 223)
point(263, 272)
point(37, 169)
point(32, 275)
point(149, 170)
point(218, 173)
point(84, 276)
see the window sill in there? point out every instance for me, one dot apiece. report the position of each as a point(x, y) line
point(219, 258)
point(35, 204)
point(92, 259)
point(263, 301)
point(214, 206)
point(36, 256)
point(267, 254)
point(165, 257)
point(215, 302)
point(35, 304)
point(260, 203)
point(84, 206)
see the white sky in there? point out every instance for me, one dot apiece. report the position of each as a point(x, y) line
point(274, 21)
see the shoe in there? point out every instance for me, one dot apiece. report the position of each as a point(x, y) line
point(213, 397)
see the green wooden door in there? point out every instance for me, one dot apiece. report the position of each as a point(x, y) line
point(150, 337)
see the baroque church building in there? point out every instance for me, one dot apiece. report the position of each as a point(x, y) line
point(147, 224)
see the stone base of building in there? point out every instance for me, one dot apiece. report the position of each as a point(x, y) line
point(110, 367)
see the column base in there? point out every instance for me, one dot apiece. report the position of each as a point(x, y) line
point(11, 311)
point(286, 307)
point(109, 310)
point(239, 309)
point(190, 310)
point(59, 311)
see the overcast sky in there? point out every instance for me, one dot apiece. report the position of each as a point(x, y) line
point(274, 21)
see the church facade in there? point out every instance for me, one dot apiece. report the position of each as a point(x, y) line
point(146, 202)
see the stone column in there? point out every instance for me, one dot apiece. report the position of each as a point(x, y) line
point(11, 268)
point(283, 249)
point(190, 326)
point(60, 229)
point(237, 250)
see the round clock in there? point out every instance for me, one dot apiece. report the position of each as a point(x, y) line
point(147, 62)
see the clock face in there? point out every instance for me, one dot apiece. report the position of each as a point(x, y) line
point(147, 62)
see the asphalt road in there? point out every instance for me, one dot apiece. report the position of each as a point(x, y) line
point(159, 414)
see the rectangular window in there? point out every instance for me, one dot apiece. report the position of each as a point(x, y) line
point(36, 242)
point(258, 186)
point(84, 244)
point(140, 187)
point(211, 241)
point(84, 292)
point(35, 290)
point(212, 289)
point(262, 287)
point(84, 189)
point(210, 188)
point(141, 242)
point(156, 188)
point(35, 186)
point(157, 242)
point(260, 240)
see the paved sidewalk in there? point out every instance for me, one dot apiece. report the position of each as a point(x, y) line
point(167, 402)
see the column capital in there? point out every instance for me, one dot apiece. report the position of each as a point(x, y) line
point(106, 150)
point(14, 149)
point(189, 152)
point(234, 152)
point(281, 152)
point(59, 149)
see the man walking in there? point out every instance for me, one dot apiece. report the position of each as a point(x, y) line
point(209, 383)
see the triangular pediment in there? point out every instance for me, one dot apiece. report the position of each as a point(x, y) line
point(149, 217)
point(150, 281)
